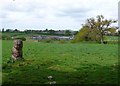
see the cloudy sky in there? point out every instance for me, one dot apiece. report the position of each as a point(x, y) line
point(53, 14)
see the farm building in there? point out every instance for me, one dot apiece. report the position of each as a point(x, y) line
point(53, 37)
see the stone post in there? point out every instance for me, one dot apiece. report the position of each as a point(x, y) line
point(17, 49)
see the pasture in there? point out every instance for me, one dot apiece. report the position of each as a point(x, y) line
point(67, 63)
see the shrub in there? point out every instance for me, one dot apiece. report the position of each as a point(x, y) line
point(22, 38)
point(112, 42)
point(86, 34)
point(46, 40)
point(105, 42)
point(61, 41)
point(6, 38)
point(72, 41)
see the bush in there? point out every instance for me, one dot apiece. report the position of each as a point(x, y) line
point(22, 38)
point(112, 42)
point(61, 41)
point(105, 42)
point(45, 40)
point(86, 34)
point(72, 41)
point(6, 38)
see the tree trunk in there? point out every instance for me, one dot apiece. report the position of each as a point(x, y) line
point(17, 50)
point(102, 40)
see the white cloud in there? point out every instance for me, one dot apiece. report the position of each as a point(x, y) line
point(55, 14)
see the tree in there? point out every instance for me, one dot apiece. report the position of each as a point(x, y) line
point(82, 34)
point(67, 32)
point(9, 30)
point(3, 30)
point(46, 30)
point(87, 34)
point(52, 32)
point(112, 30)
point(99, 23)
point(16, 30)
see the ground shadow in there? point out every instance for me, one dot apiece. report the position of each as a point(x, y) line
point(25, 73)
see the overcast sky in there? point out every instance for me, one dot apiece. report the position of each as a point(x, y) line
point(53, 14)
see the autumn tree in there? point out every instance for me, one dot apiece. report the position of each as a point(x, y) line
point(112, 30)
point(87, 34)
point(102, 24)
point(98, 24)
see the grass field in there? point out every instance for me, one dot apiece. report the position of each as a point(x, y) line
point(67, 63)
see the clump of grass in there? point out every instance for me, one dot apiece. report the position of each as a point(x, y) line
point(62, 42)
point(46, 41)
point(72, 41)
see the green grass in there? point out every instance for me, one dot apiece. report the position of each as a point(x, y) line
point(111, 38)
point(68, 63)
point(11, 34)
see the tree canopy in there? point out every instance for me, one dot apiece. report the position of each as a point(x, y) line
point(93, 29)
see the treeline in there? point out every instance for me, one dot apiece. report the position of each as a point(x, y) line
point(94, 29)
point(42, 32)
